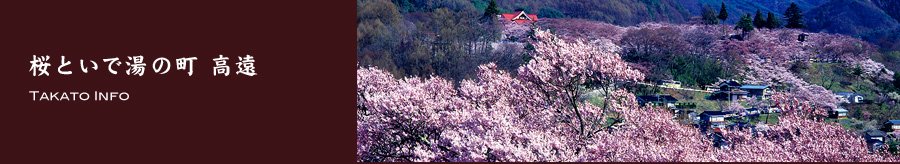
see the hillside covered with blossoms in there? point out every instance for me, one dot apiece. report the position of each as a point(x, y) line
point(432, 89)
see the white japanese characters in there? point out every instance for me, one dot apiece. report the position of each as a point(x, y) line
point(246, 66)
point(39, 65)
point(158, 67)
point(181, 63)
point(111, 61)
point(137, 68)
point(221, 67)
point(84, 69)
point(136, 65)
point(64, 63)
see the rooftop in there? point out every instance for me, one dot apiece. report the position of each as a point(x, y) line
point(713, 113)
point(840, 110)
point(731, 83)
point(875, 133)
point(754, 86)
point(737, 92)
point(845, 93)
point(513, 16)
point(717, 130)
point(895, 122)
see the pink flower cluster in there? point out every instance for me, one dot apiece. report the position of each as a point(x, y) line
point(537, 115)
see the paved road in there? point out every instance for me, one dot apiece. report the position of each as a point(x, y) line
point(686, 89)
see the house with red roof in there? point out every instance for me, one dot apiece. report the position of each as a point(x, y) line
point(519, 16)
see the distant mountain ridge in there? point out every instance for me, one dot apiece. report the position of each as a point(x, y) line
point(736, 8)
point(619, 12)
point(852, 17)
point(890, 7)
point(876, 21)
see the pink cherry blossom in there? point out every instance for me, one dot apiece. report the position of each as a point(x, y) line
point(537, 115)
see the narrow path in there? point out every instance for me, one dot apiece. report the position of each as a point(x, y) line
point(663, 86)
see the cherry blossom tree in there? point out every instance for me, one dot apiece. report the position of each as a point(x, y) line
point(799, 137)
point(734, 107)
point(561, 68)
point(537, 116)
point(499, 118)
point(774, 74)
point(517, 31)
point(873, 70)
point(568, 28)
point(648, 134)
point(398, 118)
point(654, 41)
point(839, 47)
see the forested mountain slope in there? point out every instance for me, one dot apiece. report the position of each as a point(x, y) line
point(619, 12)
point(851, 17)
point(738, 7)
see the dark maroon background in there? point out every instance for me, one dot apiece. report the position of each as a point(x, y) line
point(286, 114)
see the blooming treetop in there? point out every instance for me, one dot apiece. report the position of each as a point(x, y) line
point(537, 116)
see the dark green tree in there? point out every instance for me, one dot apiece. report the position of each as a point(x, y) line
point(759, 21)
point(491, 9)
point(404, 5)
point(746, 24)
point(709, 15)
point(772, 21)
point(546, 12)
point(794, 17)
point(897, 80)
point(696, 70)
point(723, 15)
point(523, 8)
